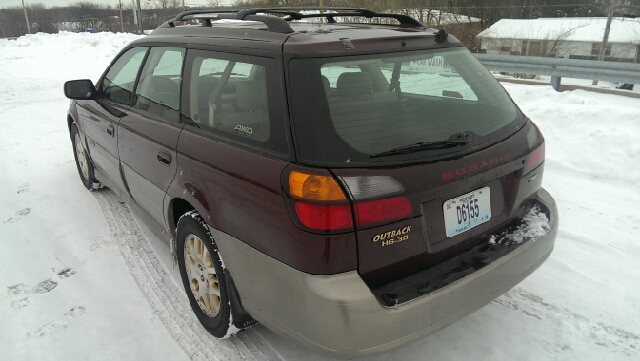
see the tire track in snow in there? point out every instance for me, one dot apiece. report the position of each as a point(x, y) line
point(167, 300)
point(569, 322)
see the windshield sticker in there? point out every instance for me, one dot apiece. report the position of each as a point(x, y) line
point(433, 65)
point(243, 130)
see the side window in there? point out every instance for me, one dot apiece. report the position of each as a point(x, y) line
point(231, 99)
point(158, 90)
point(117, 85)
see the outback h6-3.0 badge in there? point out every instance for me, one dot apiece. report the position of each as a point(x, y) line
point(391, 237)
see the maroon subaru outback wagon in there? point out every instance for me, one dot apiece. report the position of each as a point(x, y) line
point(351, 185)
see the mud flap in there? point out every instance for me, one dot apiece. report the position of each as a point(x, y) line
point(241, 319)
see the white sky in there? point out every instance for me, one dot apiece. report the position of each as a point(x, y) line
point(52, 3)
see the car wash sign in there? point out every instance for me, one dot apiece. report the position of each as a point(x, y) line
point(431, 65)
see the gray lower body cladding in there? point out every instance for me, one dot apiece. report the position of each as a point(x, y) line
point(339, 315)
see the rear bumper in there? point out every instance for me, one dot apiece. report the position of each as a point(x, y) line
point(339, 316)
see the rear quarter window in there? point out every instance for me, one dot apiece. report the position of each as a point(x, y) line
point(235, 98)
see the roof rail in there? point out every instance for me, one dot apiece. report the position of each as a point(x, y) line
point(273, 23)
point(279, 22)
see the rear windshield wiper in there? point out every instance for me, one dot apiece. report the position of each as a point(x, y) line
point(420, 146)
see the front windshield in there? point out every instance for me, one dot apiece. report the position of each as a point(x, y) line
point(348, 109)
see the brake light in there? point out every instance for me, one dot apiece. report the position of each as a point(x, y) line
point(382, 210)
point(318, 203)
point(324, 218)
point(314, 187)
point(535, 158)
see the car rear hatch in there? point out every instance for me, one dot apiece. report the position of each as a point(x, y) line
point(412, 217)
point(431, 151)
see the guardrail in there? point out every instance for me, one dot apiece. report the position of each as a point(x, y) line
point(558, 68)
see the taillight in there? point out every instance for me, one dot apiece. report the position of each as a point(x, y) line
point(368, 212)
point(314, 187)
point(537, 155)
point(324, 218)
point(535, 158)
point(361, 188)
point(319, 202)
point(382, 210)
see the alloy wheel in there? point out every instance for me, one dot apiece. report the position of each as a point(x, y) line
point(82, 157)
point(202, 275)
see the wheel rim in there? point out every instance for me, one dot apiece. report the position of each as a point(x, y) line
point(82, 157)
point(203, 280)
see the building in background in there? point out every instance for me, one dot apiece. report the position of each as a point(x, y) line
point(573, 38)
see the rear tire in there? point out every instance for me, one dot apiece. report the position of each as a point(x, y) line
point(203, 275)
point(83, 160)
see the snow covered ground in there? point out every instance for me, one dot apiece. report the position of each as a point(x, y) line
point(83, 278)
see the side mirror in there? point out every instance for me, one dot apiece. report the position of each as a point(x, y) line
point(79, 89)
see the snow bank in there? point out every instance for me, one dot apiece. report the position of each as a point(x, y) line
point(623, 30)
point(582, 304)
point(73, 41)
point(85, 55)
point(593, 134)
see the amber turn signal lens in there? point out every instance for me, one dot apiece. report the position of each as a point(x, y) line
point(314, 187)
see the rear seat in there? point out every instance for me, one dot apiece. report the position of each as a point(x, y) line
point(358, 110)
point(206, 85)
point(159, 95)
point(252, 117)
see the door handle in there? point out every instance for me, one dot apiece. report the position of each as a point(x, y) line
point(110, 130)
point(164, 157)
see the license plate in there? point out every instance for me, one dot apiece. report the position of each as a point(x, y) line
point(467, 211)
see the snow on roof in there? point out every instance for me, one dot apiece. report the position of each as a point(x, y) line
point(623, 30)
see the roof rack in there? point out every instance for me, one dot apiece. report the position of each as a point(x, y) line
point(279, 22)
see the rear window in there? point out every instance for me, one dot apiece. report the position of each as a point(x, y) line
point(355, 110)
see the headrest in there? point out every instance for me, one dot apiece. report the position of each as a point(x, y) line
point(207, 83)
point(160, 83)
point(258, 73)
point(325, 82)
point(251, 95)
point(354, 85)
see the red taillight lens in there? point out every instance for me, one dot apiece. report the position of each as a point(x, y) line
point(382, 210)
point(324, 218)
point(535, 158)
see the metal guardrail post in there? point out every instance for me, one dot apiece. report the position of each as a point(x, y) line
point(555, 83)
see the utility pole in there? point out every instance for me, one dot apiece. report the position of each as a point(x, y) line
point(140, 17)
point(135, 15)
point(26, 17)
point(605, 39)
point(121, 21)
